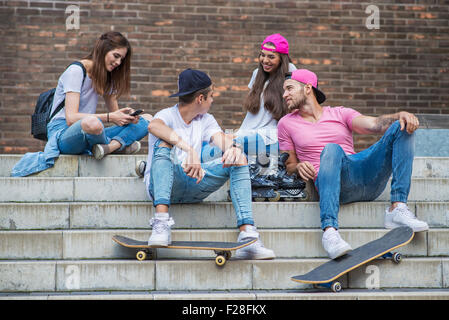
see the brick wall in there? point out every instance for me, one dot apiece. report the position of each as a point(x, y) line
point(403, 65)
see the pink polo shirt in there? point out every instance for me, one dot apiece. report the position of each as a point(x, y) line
point(309, 139)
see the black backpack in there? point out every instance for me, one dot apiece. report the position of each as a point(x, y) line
point(41, 116)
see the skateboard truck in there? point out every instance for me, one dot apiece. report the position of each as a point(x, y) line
point(336, 286)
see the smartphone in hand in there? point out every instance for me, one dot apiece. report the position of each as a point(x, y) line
point(136, 113)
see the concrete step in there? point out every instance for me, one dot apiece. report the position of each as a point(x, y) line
point(193, 275)
point(80, 166)
point(136, 215)
point(123, 166)
point(431, 167)
point(286, 243)
point(133, 189)
point(241, 295)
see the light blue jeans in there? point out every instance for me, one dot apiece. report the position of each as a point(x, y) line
point(363, 176)
point(169, 183)
point(252, 145)
point(74, 140)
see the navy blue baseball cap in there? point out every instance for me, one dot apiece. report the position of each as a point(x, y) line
point(191, 80)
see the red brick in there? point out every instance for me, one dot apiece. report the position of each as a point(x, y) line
point(401, 66)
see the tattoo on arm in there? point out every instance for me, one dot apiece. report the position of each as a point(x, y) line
point(382, 123)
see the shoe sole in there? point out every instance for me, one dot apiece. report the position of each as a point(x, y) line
point(140, 168)
point(98, 153)
point(341, 253)
point(397, 225)
point(159, 244)
point(256, 257)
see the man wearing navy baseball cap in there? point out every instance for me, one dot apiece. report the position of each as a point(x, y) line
point(174, 172)
point(321, 148)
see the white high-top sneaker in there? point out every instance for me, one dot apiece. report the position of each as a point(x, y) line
point(161, 233)
point(334, 245)
point(402, 216)
point(255, 251)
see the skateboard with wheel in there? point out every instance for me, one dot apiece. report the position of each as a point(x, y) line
point(326, 274)
point(222, 249)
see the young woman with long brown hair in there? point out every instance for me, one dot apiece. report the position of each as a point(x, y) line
point(264, 104)
point(77, 128)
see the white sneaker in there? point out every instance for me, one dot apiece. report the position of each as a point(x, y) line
point(334, 245)
point(161, 233)
point(255, 251)
point(402, 216)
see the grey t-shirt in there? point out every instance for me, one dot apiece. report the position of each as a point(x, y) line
point(70, 81)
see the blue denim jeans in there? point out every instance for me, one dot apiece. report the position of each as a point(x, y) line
point(74, 140)
point(363, 176)
point(169, 183)
point(252, 145)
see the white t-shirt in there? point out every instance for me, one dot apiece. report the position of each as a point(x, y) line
point(262, 122)
point(70, 81)
point(200, 129)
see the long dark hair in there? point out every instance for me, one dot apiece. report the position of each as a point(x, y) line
point(119, 79)
point(272, 95)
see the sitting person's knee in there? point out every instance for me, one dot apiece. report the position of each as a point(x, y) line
point(92, 125)
point(147, 116)
point(332, 149)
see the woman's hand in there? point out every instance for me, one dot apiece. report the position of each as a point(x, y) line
point(121, 117)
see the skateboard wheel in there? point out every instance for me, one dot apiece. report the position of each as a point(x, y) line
point(336, 287)
point(220, 261)
point(141, 255)
point(397, 257)
point(276, 198)
point(305, 196)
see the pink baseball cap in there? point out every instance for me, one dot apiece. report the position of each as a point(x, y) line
point(280, 43)
point(308, 77)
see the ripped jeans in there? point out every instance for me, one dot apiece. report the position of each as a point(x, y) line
point(170, 184)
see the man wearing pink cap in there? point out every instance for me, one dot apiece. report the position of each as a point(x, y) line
point(320, 146)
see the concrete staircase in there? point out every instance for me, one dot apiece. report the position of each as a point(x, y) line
point(56, 229)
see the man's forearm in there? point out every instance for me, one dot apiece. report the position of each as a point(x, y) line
point(164, 132)
point(382, 123)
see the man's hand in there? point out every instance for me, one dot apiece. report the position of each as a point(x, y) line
point(192, 166)
point(408, 121)
point(233, 157)
point(306, 170)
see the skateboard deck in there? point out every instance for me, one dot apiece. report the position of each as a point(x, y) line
point(221, 249)
point(326, 273)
